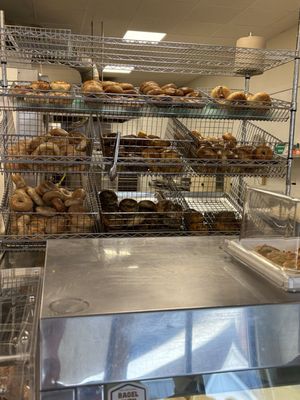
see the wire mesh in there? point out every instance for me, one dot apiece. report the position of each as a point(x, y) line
point(225, 147)
point(160, 205)
point(117, 106)
point(19, 303)
point(70, 216)
point(32, 142)
point(53, 46)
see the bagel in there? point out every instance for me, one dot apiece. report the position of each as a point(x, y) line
point(186, 90)
point(263, 152)
point(128, 205)
point(81, 223)
point(169, 91)
point(46, 211)
point(56, 225)
point(44, 187)
point(148, 83)
point(37, 225)
point(220, 92)
point(169, 86)
point(20, 201)
point(239, 97)
point(50, 195)
point(113, 89)
point(58, 204)
point(60, 85)
point(77, 209)
point(126, 86)
point(18, 180)
point(79, 194)
point(40, 85)
point(46, 149)
point(73, 202)
point(66, 194)
point(154, 92)
point(58, 132)
point(22, 225)
point(35, 197)
point(35, 142)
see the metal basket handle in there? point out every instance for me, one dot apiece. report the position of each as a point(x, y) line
point(113, 170)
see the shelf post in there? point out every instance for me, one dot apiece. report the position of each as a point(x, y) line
point(3, 50)
point(293, 113)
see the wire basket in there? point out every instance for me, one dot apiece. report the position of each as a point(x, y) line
point(33, 228)
point(160, 205)
point(19, 301)
point(250, 151)
point(64, 144)
point(147, 146)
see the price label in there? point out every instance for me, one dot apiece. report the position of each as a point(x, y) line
point(128, 391)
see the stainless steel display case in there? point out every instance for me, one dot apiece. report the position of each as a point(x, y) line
point(172, 313)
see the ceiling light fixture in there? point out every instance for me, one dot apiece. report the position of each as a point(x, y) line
point(119, 69)
point(144, 36)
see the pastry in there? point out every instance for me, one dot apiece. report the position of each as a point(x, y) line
point(128, 205)
point(60, 86)
point(20, 201)
point(220, 92)
point(263, 152)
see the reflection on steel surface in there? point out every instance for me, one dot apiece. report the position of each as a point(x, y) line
point(191, 313)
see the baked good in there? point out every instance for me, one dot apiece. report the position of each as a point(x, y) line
point(108, 197)
point(146, 206)
point(20, 201)
point(19, 181)
point(259, 100)
point(128, 205)
point(186, 90)
point(226, 221)
point(60, 98)
point(263, 152)
point(56, 225)
point(40, 85)
point(35, 98)
point(220, 92)
point(237, 98)
point(92, 88)
point(113, 89)
point(60, 86)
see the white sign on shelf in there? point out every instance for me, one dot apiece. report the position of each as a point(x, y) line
point(127, 391)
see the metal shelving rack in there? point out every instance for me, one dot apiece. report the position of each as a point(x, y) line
point(116, 160)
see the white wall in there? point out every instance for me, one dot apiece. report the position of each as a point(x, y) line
point(272, 81)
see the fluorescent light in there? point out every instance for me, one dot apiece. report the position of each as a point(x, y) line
point(118, 69)
point(145, 36)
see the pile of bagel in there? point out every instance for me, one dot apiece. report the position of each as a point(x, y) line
point(42, 92)
point(145, 147)
point(47, 209)
point(225, 97)
point(227, 148)
point(99, 87)
point(171, 92)
point(54, 146)
point(139, 215)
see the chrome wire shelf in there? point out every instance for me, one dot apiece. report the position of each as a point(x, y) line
point(116, 106)
point(55, 46)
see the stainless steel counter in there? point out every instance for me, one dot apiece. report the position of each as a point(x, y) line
point(126, 309)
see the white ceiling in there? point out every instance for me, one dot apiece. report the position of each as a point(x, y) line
point(202, 21)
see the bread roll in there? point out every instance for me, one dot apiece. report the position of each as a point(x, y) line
point(220, 92)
